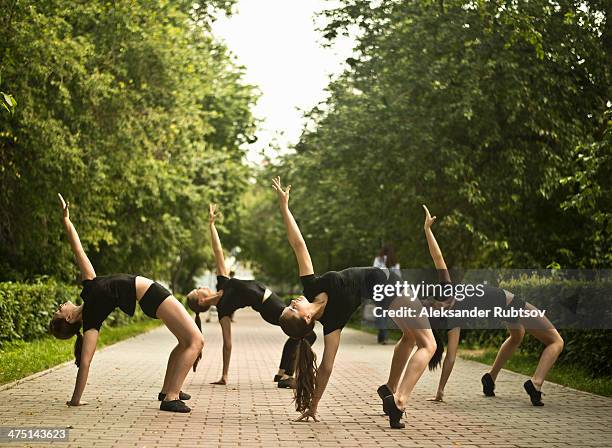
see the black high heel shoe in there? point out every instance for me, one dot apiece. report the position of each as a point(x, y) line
point(384, 391)
point(395, 415)
point(534, 394)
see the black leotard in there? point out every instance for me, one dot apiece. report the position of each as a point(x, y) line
point(242, 293)
point(345, 290)
point(103, 294)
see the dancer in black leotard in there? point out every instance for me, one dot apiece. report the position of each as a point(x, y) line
point(233, 294)
point(101, 295)
point(331, 298)
point(540, 327)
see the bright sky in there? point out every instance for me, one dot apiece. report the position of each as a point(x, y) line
point(277, 42)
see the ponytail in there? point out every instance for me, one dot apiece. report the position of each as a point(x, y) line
point(199, 325)
point(436, 359)
point(305, 376)
point(78, 348)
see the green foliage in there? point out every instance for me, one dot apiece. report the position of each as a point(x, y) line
point(8, 103)
point(264, 240)
point(592, 194)
point(492, 113)
point(26, 309)
point(135, 114)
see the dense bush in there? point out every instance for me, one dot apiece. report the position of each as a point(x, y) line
point(137, 115)
point(589, 348)
point(25, 309)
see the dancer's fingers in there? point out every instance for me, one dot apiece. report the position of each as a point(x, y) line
point(426, 211)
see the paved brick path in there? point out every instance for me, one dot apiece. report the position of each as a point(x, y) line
point(252, 412)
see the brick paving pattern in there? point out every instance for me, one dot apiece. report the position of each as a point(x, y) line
point(252, 412)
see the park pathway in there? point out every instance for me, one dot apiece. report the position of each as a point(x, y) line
point(252, 412)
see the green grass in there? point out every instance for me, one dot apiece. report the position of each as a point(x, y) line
point(566, 375)
point(19, 359)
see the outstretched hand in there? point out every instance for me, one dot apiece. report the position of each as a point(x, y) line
point(80, 403)
point(65, 206)
point(213, 213)
point(308, 413)
point(439, 398)
point(283, 195)
point(429, 220)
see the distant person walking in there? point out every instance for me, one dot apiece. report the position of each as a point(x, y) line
point(386, 259)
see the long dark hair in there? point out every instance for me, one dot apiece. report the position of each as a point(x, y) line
point(388, 250)
point(306, 364)
point(436, 359)
point(62, 329)
point(193, 304)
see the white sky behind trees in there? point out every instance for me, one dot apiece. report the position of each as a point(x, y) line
point(278, 44)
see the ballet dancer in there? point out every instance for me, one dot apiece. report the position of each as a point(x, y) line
point(539, 327)
point(331, 299)
point(101, 295)
point(233, 294)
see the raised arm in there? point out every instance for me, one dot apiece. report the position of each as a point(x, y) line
point(216, 242)
point(434, 249)
point(293, 231)
point(87, 270)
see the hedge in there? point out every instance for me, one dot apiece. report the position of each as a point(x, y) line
point(570, 301)
point(26, 308)
point(588, 348)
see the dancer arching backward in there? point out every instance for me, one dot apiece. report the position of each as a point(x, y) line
point(540, 327)
point(233, 294)
point(331, 298)
point(101, 295)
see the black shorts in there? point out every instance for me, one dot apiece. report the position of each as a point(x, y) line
point(516, 303)
point(154, 296)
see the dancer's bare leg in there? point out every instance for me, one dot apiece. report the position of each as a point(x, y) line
point(401, 353)
point(415, 330)
point(426, 347)
point(190, 344)
point(545, 332)
point(554, 346)
point(507, 349)
point(171, 366)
